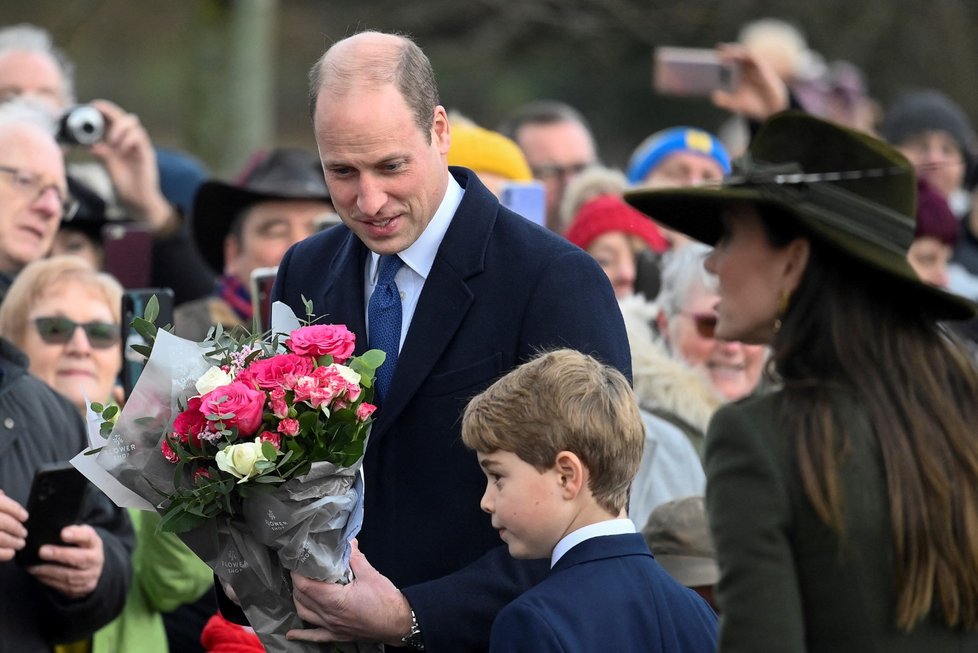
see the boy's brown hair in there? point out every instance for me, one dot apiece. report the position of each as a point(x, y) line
point(563, 400)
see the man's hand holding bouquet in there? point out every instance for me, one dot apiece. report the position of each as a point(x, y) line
point(250, 447)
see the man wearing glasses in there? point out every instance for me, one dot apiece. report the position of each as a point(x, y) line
point(558, 145)
point(33, 190)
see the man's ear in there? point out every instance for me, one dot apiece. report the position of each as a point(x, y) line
point(795, 262)
point(441, 130)
point(572, 474)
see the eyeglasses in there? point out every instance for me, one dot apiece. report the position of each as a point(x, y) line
point(59, 330)
point(706, 323)
point(559, 172)
point(30, 185)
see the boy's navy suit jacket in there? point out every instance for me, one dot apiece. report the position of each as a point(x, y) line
point(607, 594)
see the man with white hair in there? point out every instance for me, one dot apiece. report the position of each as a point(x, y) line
point(33, 189)
point(152, 187)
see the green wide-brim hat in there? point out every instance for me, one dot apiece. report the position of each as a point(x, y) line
point(854, 192)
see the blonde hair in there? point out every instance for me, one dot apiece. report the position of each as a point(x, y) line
point(563, 400)
point(40, 278)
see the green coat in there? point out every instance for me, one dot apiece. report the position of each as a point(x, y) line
point(165, 574)
point(787, 583)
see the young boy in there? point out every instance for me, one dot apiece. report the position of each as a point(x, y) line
point(559, 439)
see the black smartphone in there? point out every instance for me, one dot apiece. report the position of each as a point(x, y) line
point(262, 280)
point(128, 253)
point(55, 501)
point(134, 305)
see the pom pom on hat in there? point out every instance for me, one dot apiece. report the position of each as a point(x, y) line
point(607, 213)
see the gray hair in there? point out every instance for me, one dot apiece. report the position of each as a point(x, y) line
point(30, 38)
point(683, 275)
point(30, 111)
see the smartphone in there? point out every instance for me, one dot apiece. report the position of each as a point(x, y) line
point(526, 198)
point(128, 253)
point(692, 72)
point(134, 305)
point(55, 501)
point(262, 280)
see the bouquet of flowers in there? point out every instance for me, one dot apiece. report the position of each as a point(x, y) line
point(250, 448)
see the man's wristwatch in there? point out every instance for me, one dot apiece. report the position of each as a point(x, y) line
point(413, 640)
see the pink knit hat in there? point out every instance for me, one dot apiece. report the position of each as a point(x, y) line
point(610, 213)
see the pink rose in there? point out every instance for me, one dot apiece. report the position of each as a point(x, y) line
point(313, 391)
point(238, 398)
point(322, 339)
point(276, 372)
point(289, 427)
point(168, 453)
point(364, 411)
point(189, 424)
point(273, 438)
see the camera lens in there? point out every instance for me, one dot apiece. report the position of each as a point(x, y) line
point(81, 125)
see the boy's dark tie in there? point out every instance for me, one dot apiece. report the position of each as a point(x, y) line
point(384, 315)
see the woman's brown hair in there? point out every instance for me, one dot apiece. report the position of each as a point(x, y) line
point(850, 326)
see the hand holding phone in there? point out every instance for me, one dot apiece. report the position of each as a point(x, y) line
point(693, 72)
point(55, 502)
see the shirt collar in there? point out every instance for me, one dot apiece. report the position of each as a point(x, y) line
point(420, 256)
point(608, 527)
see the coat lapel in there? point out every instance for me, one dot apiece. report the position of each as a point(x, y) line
point(445, 299)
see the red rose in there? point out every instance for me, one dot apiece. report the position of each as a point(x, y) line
point(190, 423)
point(322, 339)
point(276, 372)
point(238, 398)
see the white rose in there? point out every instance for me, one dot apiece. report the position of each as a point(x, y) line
point(213, 378)
point(240, 459)
point(347, 373)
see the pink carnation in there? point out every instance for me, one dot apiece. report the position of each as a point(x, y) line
point(322, 339)
point(273, 438)
point(314, 391)
point(201, 475)
point(289, 427)
point(238, 398)
point(277, 400)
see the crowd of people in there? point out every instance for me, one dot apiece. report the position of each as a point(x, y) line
point(720, 397)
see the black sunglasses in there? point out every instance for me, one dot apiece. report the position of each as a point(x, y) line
point(59, 330)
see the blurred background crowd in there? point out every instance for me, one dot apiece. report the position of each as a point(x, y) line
point(208, 162)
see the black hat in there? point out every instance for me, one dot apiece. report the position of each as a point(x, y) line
point(282, 174)
point(929, 110)
point(853, 191)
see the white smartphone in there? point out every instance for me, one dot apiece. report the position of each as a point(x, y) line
point(692, 72)
point(526, 198)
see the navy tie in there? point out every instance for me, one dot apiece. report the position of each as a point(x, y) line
point(384, 315)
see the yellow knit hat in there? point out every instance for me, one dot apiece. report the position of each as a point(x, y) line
point(483, 150)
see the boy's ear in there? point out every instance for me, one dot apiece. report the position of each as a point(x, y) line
point(571, 472)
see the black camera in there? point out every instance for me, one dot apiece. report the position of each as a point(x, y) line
point(82, 124)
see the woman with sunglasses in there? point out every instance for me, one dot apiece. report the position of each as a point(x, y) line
point(844, 504)
point(65, 316)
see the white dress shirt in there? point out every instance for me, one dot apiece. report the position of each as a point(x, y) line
point(418, 259)
point(609, 527)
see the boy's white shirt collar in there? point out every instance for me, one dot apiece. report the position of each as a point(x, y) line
point(420, 256)
point(608, 527)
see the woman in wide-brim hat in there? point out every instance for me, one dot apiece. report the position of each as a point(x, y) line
point(845, 504)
